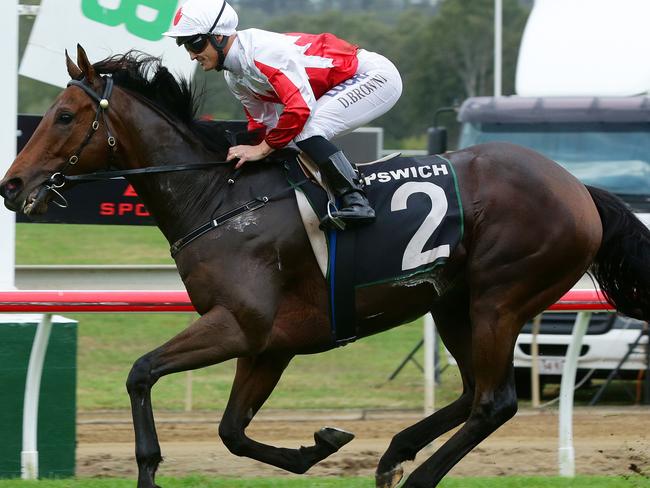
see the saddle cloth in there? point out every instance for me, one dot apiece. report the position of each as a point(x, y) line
point(419, 219)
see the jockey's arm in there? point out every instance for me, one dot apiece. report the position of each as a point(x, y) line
point(249, 153)
point(291, 85)
point(261, 115)
point(292, 88)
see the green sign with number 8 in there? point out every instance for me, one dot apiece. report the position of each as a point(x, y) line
point(127, 14)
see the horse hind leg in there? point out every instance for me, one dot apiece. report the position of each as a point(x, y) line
point(255, 379)
point(453, 325)
point(494, 397)
point(497, 315)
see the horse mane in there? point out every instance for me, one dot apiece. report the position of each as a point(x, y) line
point(146, 76)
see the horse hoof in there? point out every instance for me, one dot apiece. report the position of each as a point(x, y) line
point(333, 438)
point(389, 479)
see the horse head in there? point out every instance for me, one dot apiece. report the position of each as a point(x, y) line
point(73, 137)
point(125, 112)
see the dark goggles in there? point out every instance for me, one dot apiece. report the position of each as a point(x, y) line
point(194, 44)
point(197, 43)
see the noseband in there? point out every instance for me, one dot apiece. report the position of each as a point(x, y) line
point(58, 179)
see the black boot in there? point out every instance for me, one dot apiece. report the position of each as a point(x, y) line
point(343, 182)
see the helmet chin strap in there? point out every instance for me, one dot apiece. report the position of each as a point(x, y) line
point(219, 47)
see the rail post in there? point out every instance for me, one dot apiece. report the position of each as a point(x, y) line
point(29, 454)
point(566, 452)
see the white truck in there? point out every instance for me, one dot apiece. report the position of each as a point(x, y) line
point(582, 100)
point(606, 143)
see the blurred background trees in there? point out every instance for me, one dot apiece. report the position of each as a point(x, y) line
point(442, 48)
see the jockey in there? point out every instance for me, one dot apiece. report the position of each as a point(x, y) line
point(300, 88)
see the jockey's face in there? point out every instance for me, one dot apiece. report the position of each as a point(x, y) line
point(207, 58)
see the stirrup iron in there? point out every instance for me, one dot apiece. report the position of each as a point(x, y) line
point(336, 221)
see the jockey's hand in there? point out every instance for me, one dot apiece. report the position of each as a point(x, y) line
point(249, 153)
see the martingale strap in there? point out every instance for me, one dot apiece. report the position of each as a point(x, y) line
point(224, 218)
point(216, 222)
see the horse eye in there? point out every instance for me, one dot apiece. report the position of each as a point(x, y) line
point(64, 118)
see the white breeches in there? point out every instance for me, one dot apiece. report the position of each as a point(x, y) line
point(370, 93)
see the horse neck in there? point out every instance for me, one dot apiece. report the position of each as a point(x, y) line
point(178, 201)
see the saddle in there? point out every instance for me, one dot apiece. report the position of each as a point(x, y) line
point(419, 223)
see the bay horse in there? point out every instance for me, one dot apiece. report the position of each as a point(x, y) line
point(531, 231)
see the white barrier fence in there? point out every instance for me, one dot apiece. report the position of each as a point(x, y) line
point(47, 302)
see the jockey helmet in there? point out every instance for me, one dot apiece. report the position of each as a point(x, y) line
point(196, 17)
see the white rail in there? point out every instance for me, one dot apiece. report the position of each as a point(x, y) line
point(86, 277)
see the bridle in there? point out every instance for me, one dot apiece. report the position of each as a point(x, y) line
point(58, 179)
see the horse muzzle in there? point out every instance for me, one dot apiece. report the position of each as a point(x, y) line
point(10, 189)
point(35, 203)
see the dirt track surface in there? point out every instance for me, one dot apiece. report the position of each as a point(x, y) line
point(607, 442)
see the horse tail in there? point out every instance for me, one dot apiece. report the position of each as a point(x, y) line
point(622, 264)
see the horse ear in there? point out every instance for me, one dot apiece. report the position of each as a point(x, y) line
point(73, 70)
point(86, 68)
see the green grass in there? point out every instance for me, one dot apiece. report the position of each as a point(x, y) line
point(108, 345)
point(335, 482)
point(90, 244)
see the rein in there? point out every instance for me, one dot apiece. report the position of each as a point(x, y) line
point(116, 174)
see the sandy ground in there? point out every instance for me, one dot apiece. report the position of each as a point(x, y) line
point(607, 442)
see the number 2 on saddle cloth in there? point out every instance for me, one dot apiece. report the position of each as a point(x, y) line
point(419, 223)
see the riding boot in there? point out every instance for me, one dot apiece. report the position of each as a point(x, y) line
point(343, 181)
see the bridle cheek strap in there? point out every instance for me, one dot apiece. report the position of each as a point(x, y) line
point(102, 106)
point(57, 180)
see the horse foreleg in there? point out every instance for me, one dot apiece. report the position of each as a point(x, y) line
point(213, 338)
point(147, 448)
point(255, 380)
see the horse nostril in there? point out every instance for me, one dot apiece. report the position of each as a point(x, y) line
point(10, 188)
